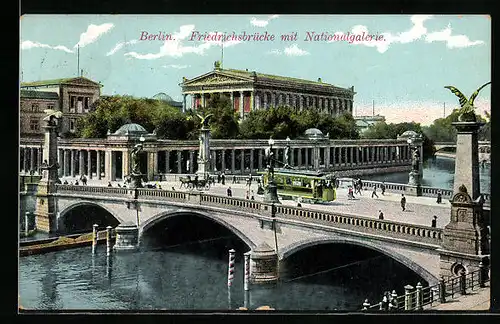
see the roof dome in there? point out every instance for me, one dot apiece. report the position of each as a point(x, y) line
point(163, 97)
point(313, 133)
point(130, 129)
point(409, 133)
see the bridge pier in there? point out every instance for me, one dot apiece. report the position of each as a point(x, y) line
point(127, 237)
point(264, 265)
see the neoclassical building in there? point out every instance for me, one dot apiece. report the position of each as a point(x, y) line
point(251, 90)
point(72, 96)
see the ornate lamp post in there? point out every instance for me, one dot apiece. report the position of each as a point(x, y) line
point(271, 194)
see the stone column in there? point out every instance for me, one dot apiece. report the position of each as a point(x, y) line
point(32, 159)
point(273, 99)
point(89, 164)
point(299, 157)
point(98, 162)
point(223, 160)
point(232, 100)
point(73, 163)
point(241, 104)
point(260, 159)
point(345, 156)
point(60, 160)
point(351, 152)
point(107, 164)
point(213, 159)
point(334, 156)
point(306, 164)
point(153, 165)
point(252, 103)
point(242, 161)
point(233, 161)
point(179, 161)
point(292, 156)
point(251, 160)
point(167, 162)
point(264, 265)
point(203, 100)
point(191, 162)
point(81, 163)
point(184, 107)
point(39, 158)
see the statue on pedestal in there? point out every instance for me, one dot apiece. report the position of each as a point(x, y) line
point(136, 159)
point(466, 105)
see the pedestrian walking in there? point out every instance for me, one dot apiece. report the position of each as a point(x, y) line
point(247, 195)
point(218, 177)
point(380, 215)
point(229, 192)
point(374, 192)
point(109, 184)
point(234, 179)
point(360, 183)
point(382, 187)
point(433, 223)
point(357, 188)
point(252, 197)
point(76, 182)
point(403, 202)
point(439, 197)
point(350, 194)
point(223, 178)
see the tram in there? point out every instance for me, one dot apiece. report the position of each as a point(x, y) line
point(309, 186)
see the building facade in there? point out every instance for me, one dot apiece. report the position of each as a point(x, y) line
point(73, 96)
point(250, 90)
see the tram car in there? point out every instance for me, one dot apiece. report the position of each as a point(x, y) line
point(309, 186)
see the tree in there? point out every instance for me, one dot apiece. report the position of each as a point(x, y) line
point(224, 122)
point(442, 129)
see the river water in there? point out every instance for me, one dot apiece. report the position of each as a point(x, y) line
point(190, 274)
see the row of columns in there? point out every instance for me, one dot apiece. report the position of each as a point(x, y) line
point(262, 99)
point(113, 165)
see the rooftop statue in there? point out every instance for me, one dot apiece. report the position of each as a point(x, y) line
point(466, 105)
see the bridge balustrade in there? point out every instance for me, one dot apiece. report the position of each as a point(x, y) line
point(111, 191)
point(158, 193)
point(251, 206)
point(421, 233)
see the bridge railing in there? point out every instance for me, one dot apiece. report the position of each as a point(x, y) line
point(401, 188)
point(423, 234)
point(419, 297)
point(109, 191)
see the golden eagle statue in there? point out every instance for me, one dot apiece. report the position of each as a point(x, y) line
point(466, 105)
point(204, 119)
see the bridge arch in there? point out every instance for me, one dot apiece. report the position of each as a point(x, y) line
point(409, 263)
point(145, 226)
point(63, 214)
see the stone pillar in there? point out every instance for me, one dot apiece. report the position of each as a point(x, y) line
point(39, 158)
point(345, 156)
point(292, 156)
point(326, 156)
point(273, 99)
point(213, 160)
point(306, 164)
point(242, 161)
point(252, 103)
point(264, 265)
point(60, 160)
point(299, 157)
point(351, 152)
point(73, 162)
point(32, 159)
point(260, 158)
point(251, 160)
point(232, 100)
point(81, 163)
point(89, 164)
point(127, 237)
point(125, 164)
point(167, 162)
point(184, 107)
point(241, 104)
point(233, 161)
point(107, 164)
point(45, 210)
point(203, 104)
point(191, 162)
point(98, 166)
point(223, 160)
point(362, 151)
point(179, 161)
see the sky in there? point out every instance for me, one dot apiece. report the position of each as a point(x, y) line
point(399, 71)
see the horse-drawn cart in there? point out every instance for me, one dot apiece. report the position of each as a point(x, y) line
point(199, 184)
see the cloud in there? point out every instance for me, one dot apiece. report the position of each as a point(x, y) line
point(262, 22)
point(93, 33)
point(416, 31)
point(175, 66)
point(292, 50)
point(455, 41)
point(25, 45)
point(119, 46)
point(175, 47)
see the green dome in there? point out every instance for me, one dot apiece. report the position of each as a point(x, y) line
point(131, 129)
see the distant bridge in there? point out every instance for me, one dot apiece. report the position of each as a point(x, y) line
point(484, 146)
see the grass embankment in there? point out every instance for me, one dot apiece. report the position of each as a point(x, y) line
point(62, 243)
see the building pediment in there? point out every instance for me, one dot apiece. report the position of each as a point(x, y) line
point(82, 81)
point(215, 78)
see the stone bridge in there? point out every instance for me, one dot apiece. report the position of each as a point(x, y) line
point(415, 246)
point(484, 146)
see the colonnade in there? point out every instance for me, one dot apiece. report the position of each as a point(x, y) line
point(247, 100)
point(109, 164)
